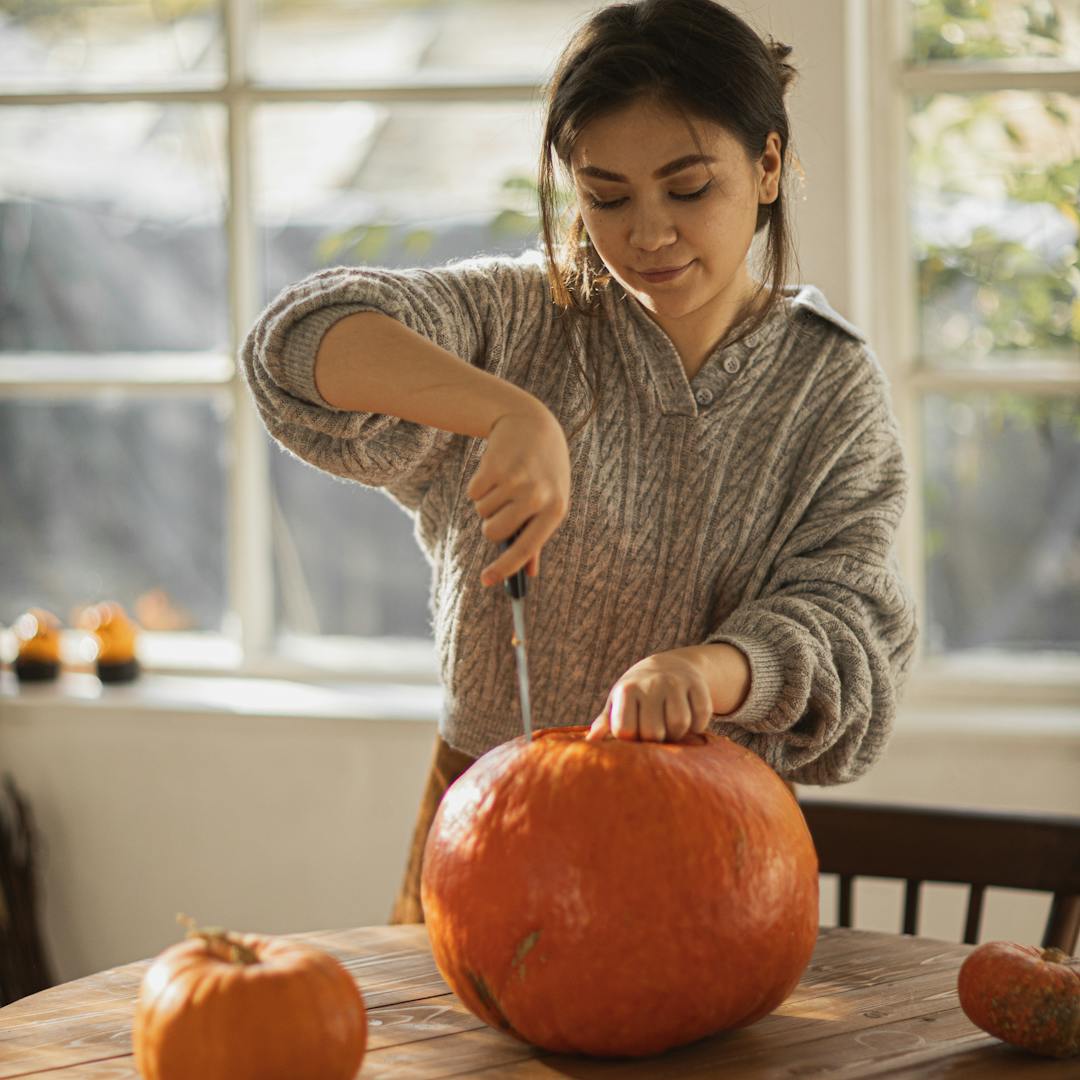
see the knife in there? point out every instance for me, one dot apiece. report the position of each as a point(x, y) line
point(515, 586)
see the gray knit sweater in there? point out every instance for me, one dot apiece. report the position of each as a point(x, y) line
point(755, 504)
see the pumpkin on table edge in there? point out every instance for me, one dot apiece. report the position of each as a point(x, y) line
point(1024, 995)
point(617, 898)
point(222, 1006)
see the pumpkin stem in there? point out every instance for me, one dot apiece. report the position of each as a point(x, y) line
point(1055, 955)
point(218, 938)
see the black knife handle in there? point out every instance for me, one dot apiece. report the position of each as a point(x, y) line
point(515, 583)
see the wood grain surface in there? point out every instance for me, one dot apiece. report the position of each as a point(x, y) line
point(869, 1005)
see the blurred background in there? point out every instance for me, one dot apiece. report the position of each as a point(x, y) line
point(167, 166)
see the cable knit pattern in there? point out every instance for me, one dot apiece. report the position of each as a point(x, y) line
point(756, 504)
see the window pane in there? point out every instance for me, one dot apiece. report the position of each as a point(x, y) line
point(995, 205)
point(345, 558)
point(114, 499)
point(111, 234)
point(393, 186)
point(358, 40)
point(995, 29)
point(1002, 521)
point(398, 186)
point(50, 44)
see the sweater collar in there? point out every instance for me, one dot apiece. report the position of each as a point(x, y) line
point(654, 361)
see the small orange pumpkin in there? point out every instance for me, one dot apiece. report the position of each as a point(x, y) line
point(115, 639)
point(1024, 995)
point(221, 1006)
point(37, 632)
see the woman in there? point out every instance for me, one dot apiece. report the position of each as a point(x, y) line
point(718, 527)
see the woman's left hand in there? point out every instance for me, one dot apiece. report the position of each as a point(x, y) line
point(660, 699)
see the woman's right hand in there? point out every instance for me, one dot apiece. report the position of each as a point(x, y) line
point(523, 479)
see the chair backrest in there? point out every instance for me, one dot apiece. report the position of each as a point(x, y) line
point(976, 848)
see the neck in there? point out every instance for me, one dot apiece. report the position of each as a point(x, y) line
point(697, 334)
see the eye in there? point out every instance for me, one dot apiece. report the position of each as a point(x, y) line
point(599, 204)
point(691, 195)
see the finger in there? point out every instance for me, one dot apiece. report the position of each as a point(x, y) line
point(600, 728)
point(492, 502)
point(529, 541)
point(651, 719)
point(677, 717)
point(700, 709)
point(534, 565)
point(504, 523)
point(624, 713)
point(481, 484)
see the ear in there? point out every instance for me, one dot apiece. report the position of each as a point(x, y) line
point(768, 170)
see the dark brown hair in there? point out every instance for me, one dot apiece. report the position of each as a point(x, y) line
point(695, 57)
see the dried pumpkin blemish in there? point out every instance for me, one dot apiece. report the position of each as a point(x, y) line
point(523, 950)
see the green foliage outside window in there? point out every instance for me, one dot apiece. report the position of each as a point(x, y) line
point(1021, 301)
point(986, 29)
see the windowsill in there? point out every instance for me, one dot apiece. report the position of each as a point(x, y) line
point(246, 696)
point(388, 700)
point(326, 658)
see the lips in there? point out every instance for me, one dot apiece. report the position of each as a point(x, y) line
point(664, 273)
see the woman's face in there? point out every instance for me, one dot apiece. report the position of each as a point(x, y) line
point(673, 227)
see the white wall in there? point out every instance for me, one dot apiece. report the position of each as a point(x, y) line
point(821, 128)
point(258, 822)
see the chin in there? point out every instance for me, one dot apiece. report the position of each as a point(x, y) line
point(672, 307)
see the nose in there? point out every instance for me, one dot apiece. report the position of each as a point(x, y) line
point(651, 227)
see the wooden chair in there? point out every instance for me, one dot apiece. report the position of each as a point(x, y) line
point(975, 848)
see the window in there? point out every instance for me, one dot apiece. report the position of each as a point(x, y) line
point(980, 302)
point(164, 171)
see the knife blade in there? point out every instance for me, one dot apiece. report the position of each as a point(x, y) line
point(515, 586)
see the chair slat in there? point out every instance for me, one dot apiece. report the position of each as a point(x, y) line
point(944, 844)
point(974, 914)
point(1063, 925)
point(844, 901)
point(933, 844)
point(911, 906)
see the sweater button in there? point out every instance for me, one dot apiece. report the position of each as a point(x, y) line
point(703, 396)
point(731, 365)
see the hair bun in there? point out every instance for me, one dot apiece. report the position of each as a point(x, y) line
point(785, 72)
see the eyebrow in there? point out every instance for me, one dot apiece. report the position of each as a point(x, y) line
point(669, 169)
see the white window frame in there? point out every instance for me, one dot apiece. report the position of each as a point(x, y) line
point(883, 81)
point(883, 296)
point(246, 645)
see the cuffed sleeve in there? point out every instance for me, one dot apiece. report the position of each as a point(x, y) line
point(832, 629)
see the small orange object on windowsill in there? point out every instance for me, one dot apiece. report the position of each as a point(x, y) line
point(115, 636)
point(37, 634)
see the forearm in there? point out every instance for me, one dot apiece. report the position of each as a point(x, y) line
point(727, 672)
point(370, 362)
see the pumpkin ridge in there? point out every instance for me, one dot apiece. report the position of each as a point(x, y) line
point(490, 1002)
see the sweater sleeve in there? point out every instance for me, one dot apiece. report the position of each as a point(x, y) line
point(460, 307)
point(831, 631)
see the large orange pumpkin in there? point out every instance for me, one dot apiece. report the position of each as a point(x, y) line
point(617, 897)
point(223, 1006)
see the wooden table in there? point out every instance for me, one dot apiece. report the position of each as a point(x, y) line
point(870, 1004)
